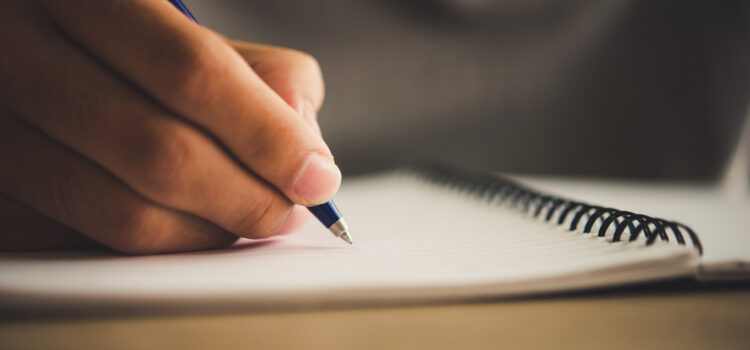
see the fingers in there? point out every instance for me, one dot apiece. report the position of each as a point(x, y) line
point(194, 73)
point(162, 158)
point(297, 219)
point(295, 76)
point(26, 229)
point(73, 191)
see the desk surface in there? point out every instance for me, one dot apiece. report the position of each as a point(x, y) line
point(656, 317)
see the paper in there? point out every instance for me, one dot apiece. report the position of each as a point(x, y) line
point(413, 241)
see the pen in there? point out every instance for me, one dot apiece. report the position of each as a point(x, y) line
point(327, 213)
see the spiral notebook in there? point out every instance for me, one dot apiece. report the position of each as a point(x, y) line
point(424, 234)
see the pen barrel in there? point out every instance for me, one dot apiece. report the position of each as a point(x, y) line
point(327, 213)
point(180, 6)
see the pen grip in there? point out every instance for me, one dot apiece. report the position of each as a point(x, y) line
point(327, 213)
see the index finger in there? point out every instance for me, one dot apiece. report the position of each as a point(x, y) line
point(196, 74)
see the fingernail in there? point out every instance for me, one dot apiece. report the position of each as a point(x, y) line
point(318, 180)
point(309, 114)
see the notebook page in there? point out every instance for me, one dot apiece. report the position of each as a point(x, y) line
point(412, 241)
point(721, 223)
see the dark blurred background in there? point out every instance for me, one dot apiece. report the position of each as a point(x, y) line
point(644, 89)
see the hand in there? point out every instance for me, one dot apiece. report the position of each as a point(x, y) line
point(126, 124)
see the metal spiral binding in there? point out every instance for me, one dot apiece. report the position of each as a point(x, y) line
point(558, 210)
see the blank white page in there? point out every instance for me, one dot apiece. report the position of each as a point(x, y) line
point(412, 241)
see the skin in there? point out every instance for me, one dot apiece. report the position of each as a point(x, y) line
point(123, 124)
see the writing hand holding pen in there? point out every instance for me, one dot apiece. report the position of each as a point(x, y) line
point(327, 213)
point(124, 123)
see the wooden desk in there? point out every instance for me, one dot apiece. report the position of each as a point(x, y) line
point(654, 317)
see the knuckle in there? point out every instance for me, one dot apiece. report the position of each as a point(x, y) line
point(149, 230)
point(308, 61)
point(263, 219)
point(196, 66)
point(138, 231)
point(310, 68)
point(63, 184)
point(166, 163)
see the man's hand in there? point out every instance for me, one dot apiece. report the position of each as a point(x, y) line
point(125, 123)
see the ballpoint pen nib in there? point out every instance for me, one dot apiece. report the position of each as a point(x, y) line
point(345, 236)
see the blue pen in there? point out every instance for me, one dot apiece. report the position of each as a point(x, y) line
point(327, 213)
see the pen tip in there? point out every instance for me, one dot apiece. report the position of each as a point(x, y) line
point(345, 236)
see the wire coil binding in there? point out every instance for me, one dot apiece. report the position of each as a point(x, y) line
point(615, 224)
